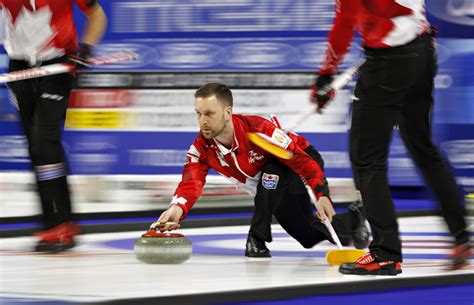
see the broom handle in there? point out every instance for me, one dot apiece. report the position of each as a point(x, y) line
point(326, 221)
point(338, 83)
point(333, 233)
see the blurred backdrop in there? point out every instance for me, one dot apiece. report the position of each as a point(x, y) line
point(129, 125)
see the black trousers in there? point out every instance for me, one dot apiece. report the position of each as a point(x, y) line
point(289, 202)
point(396, 88)
point(42, 104)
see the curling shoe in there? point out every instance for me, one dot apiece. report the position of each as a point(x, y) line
point(369, 265)
point(460, 256)
point(360, 232)
point(256, 248)
point(57, 239)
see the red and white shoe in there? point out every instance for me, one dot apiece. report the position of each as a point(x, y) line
point(57, 239)
point(460, 256)
point(369, 265)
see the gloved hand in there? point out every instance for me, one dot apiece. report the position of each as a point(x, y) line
point(81, 56)
point(320, 95)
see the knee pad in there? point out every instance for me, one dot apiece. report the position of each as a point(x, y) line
point(50, 171)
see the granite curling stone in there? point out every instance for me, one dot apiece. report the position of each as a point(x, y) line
point(162, 248)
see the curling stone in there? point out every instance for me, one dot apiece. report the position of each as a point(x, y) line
point(162, 248)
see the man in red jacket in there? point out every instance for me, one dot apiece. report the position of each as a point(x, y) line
point(42, 33)
point(275, 183)
point(395, 88)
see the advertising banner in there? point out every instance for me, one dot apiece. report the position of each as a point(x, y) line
point(138, 117)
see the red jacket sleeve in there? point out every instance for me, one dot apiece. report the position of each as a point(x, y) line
point(193, 179)
point(340, 36)
point(301, 163)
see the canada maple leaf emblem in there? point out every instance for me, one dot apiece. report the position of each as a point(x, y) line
point(31, 32)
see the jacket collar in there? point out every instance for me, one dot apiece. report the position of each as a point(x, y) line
point(216, 145)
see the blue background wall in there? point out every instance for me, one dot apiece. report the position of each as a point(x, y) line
point(256, 36)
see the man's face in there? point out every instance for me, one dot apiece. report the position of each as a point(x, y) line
point(212, 116)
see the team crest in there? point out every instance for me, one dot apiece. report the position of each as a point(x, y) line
point(270, 181)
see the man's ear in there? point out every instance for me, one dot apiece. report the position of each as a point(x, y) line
point(228, 111)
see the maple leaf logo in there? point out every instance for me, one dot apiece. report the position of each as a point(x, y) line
point(31, 33)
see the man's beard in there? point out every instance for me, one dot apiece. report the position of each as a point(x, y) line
point(210, 133)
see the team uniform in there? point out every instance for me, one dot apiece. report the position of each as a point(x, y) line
point(275, 183)
point(42, 32)
point(395, 88)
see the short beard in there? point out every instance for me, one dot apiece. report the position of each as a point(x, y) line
point(215, 134)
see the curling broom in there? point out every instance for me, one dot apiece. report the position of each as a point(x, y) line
point(65, 67)
point(274, 146)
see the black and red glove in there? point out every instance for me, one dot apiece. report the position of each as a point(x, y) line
point(81, 56)
point(321, 93)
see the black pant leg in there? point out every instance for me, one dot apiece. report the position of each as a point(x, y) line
point(26, 99)
point(288, 200)
point(297, 217)
point(54, 93)
point(270, 191)
point(42, 106)
point(415, 129)
point(379, 94)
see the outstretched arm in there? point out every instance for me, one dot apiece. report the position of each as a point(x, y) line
point(96, 23)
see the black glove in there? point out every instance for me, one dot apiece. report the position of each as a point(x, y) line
point(81, 56)
point(321, 94)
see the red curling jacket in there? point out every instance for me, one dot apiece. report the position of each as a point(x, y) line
point(243, 162)
point(381, 23)
point(40, 30)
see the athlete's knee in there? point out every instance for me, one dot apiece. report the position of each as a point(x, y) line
point(307, 244)
point(306, 240)
point(366, 164)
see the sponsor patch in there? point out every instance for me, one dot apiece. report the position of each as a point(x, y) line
point(281, 138)
point(270, 181)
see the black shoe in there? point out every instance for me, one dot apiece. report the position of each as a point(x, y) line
point(255, 247)
point(369, 265)
point(360, 233)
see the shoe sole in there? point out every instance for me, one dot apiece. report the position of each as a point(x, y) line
point(258, 259)
point(54, 248)
point(258, 256)
point(371, 272)
point(459, 266)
